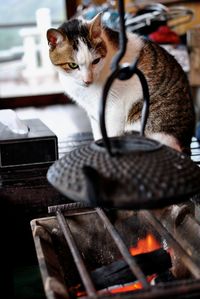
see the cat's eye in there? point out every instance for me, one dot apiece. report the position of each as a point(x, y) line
point(73, 65)
point(96, 60)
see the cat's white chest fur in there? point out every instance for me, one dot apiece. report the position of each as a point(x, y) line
point(121, 97)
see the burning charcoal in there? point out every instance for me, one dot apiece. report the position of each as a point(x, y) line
point(118, 272)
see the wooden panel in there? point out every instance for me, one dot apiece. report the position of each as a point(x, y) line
point(71, 7)
point(36, 101)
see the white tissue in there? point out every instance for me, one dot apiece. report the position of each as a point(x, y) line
point(10, 120)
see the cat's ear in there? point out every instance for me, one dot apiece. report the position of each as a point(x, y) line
point(95, 26)
point(54, 37)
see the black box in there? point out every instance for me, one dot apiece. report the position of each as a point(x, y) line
point(38, 146)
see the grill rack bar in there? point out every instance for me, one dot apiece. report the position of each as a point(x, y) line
point(85, 276)
point(187, 260)
point(78, 208)
point(123, 249)
point(88, 284)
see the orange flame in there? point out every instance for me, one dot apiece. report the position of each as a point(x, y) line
point(148, 244)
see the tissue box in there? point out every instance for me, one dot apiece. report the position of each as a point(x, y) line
point(39, 146)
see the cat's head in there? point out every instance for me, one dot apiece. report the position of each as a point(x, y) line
point(78, 49)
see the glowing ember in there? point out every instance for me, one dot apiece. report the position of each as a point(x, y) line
point(131, 286)
point(127, 288)
point(148, 244)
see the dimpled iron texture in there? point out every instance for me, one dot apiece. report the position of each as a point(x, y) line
point(142, 174)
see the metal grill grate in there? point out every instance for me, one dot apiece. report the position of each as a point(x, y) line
point(64, 219)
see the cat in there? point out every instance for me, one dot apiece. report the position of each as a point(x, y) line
point(82, 52)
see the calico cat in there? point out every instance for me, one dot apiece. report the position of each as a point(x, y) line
point(82, 52)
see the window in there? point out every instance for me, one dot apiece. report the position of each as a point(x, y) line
point(25, 68)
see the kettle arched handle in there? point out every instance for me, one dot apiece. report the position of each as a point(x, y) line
point(123, 72)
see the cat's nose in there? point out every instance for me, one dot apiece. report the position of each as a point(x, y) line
point(87, 82)
point(87, 77)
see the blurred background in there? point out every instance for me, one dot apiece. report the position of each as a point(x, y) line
point(29, 85)
point(24, 62)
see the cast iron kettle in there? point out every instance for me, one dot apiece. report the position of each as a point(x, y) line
point(127, 172)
